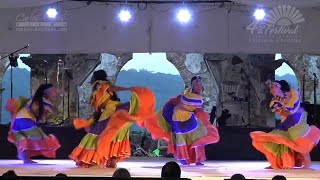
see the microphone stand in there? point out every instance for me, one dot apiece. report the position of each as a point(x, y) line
point(69, 77)
point(315, 83)
point(249, 95)
point(303, 87)
point(46, 70)
point(13, 63)
point(11, 54)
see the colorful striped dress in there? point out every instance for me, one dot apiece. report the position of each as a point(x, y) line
point(25, 133)
point(286, 146)
point(185, 126)
point(94, 148)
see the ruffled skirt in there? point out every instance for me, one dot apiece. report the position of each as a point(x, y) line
point(287, 146)
point(186, 139)
point(27, 136)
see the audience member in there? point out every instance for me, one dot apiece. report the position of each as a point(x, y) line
point(121, 173)
point(61, 175)
point(279, 177)
point(9, 173)
point(171, 170)
point(237, 177)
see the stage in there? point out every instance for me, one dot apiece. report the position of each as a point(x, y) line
point(151, 167)
point(234, 153)
point(235, 144)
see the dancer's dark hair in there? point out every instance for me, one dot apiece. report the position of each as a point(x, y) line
point(195, 78)
point(38, 98)
point(285, 86)
point(101, 75)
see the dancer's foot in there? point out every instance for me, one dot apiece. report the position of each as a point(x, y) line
point(29, 161)
point(83, 165)
point(199, 164)
point(269, 167)
point(307, 161)
point(24, 156)
point(113, 163)
point(184, 162)
point(20, 156)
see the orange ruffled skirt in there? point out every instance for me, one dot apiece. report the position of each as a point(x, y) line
point(112, 141)
point(287, 146)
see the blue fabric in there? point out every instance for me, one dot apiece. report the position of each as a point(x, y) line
point(291, 121)
point(294, 106)
point(167, 112)
point(191, 100)
point(21, 124)
point(177, 126)
point(100, 126)
point(186, 126)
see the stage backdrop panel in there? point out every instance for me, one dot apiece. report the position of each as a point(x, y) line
point(96, 28)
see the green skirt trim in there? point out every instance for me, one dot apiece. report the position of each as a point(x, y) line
point(89, 141)
point(123, 134)
point(32, 133)
point(191, 137)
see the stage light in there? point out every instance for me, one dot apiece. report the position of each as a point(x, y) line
point(184, 15)
point(52, 13)
point(125, 15)
point(259, 14)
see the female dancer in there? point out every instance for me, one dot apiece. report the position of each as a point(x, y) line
point(183, 123)
point(94, 149)
point(29, 139)
point(289, 145)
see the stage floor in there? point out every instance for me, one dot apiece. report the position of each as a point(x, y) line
point(151, 167)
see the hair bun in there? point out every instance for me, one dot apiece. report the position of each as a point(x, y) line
point(99, 75)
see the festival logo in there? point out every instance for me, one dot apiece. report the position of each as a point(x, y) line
point(40, 20)
point(282, 24)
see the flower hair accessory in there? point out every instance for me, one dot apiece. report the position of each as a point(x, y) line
point(269, 83)
point(197, 77)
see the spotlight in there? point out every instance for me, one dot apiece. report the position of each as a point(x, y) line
point(184, 15)
point(125, 15)
point(259, 14)
point(52, 13)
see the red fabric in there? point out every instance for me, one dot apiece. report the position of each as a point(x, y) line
point(46, 146)
point(80, 123)
point(13, 109)
point(188, 153)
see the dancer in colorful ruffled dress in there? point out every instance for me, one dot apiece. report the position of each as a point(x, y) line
point(184, 124)
point(29, 139)
point(289, 145)
point(107, 141)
